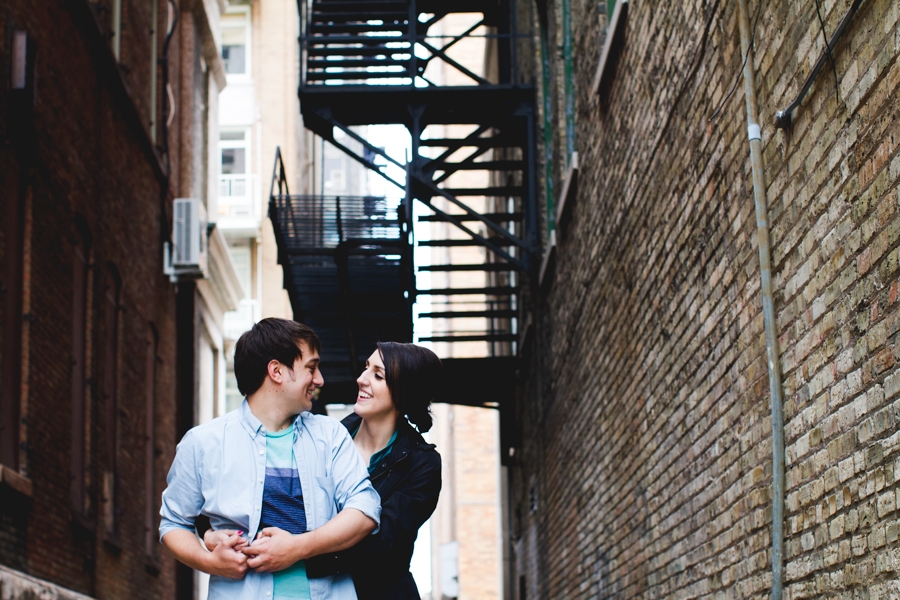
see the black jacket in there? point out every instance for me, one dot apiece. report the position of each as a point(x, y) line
point(409, 483)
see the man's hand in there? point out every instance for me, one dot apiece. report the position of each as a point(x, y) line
point(227, 559)
point(213, 537)
point(224, 560)
point(273, 550)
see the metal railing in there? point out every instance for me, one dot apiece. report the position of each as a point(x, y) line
point(388, 43)
point(238, 196)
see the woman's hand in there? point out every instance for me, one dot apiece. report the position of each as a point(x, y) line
point(213, 538)
point(273, 550)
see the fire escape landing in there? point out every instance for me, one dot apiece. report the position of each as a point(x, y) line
point(348, 262)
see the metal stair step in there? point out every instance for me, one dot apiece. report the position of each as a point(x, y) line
point(354, 39)
point(487, 337)
point(369, 14)
point(343, 75)
point(485, 291)
point(511, 190)
point(493, 267)
point(356, 28)
point(496, 217)
point(487, 165)
point(469, 314)
point(463, 243)
point(377, 50)
point(356, 7)
point(357, 62)
point(488, 142)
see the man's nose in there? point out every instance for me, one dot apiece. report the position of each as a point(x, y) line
point(318, 380)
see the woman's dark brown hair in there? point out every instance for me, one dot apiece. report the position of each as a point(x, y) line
point(413, 375)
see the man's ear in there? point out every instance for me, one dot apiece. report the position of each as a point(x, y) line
point(275, 371)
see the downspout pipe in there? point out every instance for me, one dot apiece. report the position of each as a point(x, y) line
point(765, 268)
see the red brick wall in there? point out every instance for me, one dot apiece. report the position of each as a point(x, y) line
point(645, 417)
point(90, 156)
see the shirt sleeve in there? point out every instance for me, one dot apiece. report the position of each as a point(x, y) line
point(403, 514)
point(182, 499)
point(352, 487)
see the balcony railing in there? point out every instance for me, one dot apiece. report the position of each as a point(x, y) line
point(238, 196)
point(242, 319)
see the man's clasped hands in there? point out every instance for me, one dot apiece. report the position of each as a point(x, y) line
point(273, 550)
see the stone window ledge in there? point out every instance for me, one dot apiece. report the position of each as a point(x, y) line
point(16, 585)
point(613, 36)
point(567, 197)
point(16, 481)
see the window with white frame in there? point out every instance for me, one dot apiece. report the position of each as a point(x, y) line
point(235, 188)
point(236, 42)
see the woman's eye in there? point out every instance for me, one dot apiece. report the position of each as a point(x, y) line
point(379, 377)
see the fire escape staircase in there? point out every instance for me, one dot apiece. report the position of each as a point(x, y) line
point(365, 62)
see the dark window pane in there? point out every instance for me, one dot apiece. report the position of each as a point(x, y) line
point(234, 161)
point(234, 58)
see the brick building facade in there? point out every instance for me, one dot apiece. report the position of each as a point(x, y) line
point(642, 466)
point(98, 347)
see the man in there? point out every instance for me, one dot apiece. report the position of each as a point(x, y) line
point(273, 470)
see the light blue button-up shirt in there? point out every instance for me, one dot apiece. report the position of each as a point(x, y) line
point(220, 469)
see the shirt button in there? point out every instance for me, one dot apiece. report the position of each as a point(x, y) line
point(268, 593)
point(260, 480)
point(262, 451)
point(257, 507)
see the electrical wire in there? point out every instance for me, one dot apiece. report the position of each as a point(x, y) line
point(830, 55)
point(743, 63)
point(168, 99)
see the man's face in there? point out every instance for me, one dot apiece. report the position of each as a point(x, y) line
point(304, 378)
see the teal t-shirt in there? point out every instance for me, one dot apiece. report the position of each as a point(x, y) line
point(283, 508)
point(373, 462)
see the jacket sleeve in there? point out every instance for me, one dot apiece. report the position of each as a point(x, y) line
point(402, 514)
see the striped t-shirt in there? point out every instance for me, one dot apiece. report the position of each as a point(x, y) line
point(283, 508)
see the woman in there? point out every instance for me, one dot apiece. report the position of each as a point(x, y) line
point(395, 391)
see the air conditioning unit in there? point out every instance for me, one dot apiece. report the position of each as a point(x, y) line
point(185, 256)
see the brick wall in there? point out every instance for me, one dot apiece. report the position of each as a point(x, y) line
point(645, 469)
point(88, 158)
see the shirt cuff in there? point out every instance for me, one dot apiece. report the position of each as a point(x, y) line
point(165, 528)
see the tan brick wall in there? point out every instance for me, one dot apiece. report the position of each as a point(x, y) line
point(468, 509)
point(645, 415)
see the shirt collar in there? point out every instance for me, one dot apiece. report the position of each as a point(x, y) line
point(254, 426)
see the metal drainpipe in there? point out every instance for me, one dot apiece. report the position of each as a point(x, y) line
point(569, 79)
point(765, 268)
point(548, 125)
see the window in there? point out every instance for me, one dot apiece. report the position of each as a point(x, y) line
point(242, 257)
point(235, 189)
point(80, 308)
point(11, 280)
point(150, 532)
point(236, 43)
point(111, 295)
point(233, 146)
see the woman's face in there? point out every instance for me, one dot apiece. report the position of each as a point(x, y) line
point(374, 398)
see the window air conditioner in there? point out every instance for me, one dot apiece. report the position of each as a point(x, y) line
point(185, 256)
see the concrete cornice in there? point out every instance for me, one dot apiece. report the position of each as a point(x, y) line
point(207, 14)
point(224, 288)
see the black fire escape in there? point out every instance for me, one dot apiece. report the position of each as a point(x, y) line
point(348, 262)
